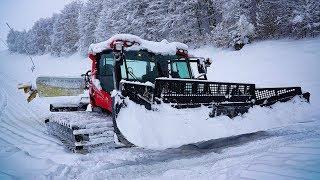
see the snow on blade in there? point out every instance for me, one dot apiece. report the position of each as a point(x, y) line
point(163, 47)
point(168, 127)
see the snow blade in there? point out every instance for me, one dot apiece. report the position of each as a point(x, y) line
point(230, 99)
point(59, 86)
point(189, 104)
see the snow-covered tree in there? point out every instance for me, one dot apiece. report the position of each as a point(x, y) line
point(135, 19)
point(284, 15)
point(17, 41)
point(306, 18)
point(122, 17)
point(235, 27)
point(266, 18)
point(87, 23)
point(39, 36)
point(12, 41)
point(242, 33)
point(154, 16)
point(108, 17)
point(187, 27)
point(195, 22)
point(65, 30)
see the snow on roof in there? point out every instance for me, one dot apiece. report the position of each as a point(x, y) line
point(163, 47)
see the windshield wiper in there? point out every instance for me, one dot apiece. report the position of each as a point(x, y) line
point(132, 74)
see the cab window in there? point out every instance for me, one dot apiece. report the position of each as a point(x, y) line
point(180, 69)
point(105, 71)
point(139, 66)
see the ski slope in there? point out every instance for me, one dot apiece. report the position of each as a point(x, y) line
point(293, 152)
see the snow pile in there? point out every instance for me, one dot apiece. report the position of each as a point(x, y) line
point(163, 47)
point(168, 127)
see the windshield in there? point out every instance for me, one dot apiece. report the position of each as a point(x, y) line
point(144, 66)
point(139, 66)
point(180, 69)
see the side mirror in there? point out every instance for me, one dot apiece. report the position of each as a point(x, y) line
point(86, 78)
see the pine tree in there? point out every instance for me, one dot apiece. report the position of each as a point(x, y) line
point(266, 19)
point(306, 20)
point(235, 27)
point(65, 30)
point(17, 41)
point(106, 20)
point(284, 16)
point(195, 22)
point(87, 23)
point(39, 36)
point(11, 41)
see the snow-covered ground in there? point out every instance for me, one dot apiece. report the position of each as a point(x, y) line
point(293, 152)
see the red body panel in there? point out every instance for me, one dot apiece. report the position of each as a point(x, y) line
point(98, 97)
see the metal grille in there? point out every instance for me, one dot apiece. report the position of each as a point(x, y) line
point(202, 92)
point(267, 96)
point(139, 93)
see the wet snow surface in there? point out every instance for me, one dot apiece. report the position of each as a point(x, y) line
point(292, 152)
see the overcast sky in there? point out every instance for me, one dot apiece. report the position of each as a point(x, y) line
point(21, 14)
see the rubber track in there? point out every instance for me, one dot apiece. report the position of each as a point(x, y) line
point(96, 134)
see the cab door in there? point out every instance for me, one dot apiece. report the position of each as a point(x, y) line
point(102, 81)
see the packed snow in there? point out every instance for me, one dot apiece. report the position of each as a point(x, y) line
point(27, 151)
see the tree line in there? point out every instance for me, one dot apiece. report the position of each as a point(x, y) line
point(223, 23)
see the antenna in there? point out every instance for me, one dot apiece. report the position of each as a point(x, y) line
point(33, 67)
